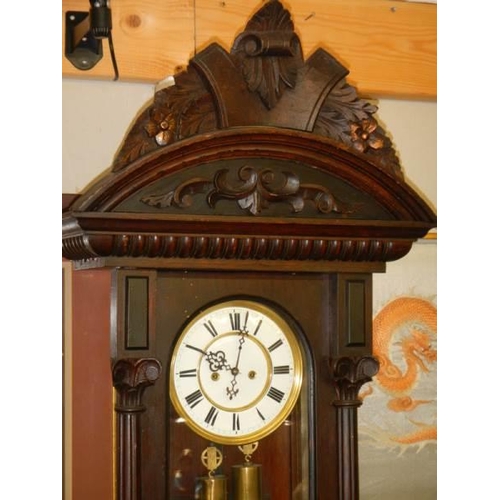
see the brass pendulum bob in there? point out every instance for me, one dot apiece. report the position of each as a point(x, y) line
point(247, 480)
point(211, 487)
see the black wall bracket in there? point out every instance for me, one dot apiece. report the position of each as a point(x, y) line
point(82, 49)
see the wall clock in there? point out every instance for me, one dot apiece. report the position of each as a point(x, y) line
point(258, 188)
point(236, 372)
point(277, 408)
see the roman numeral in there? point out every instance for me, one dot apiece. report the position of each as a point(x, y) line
point(260, 414)
point(236, 422)
point(257, 329)
point(275, 394)
point(211, 416)
point(211, 329)
point(194, 348)
point(194, 398)
point(188, 373)
point(235, 321)
point(281, 370)
point(275, 345)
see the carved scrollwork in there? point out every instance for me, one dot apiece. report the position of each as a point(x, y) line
point(254, 190)
point(181, 196)
point(270, 53)
point(323, 200)
point(348, 376)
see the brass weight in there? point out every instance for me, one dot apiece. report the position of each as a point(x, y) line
point(212, 487)
point(247, 481)
point(247, 477)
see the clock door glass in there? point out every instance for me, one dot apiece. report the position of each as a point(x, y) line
point(236, 377)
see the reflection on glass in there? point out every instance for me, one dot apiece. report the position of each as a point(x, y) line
point(184, 477)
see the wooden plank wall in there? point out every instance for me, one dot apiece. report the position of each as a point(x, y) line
point(388, 46)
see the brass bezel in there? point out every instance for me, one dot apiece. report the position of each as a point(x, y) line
point(287, 330)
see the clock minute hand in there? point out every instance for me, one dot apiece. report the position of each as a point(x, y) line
point(235, 369)
point(243, 333)
point(232, 391)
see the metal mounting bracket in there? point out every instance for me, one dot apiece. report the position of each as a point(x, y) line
point(82, 49)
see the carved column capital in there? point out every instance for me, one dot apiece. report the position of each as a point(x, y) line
point(348, 375)
point(131, 376)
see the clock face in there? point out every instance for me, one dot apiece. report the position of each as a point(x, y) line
point(236, 372)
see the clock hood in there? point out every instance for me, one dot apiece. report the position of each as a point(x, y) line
point(251, 156)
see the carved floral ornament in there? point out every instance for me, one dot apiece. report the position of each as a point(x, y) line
point(162, 127)
point(363, 136)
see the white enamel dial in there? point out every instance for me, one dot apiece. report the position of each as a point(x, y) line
point(236, 372)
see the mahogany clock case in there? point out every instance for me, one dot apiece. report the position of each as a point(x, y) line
point(257, 175)
point(289, 456)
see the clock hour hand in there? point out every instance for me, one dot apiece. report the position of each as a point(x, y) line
point(217, 360)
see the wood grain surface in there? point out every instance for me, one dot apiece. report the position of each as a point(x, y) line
point(388, 46)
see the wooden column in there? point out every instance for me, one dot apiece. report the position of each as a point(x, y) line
point(348, 375)
point(130, 379)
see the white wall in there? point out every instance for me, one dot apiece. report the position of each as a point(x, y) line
point(95, 117)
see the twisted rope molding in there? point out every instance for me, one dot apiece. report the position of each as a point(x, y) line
point(235, 248)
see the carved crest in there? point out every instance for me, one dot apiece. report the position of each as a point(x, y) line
point(264, 81)
point(270, 53)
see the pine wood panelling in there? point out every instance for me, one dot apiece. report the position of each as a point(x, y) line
point(388, 46)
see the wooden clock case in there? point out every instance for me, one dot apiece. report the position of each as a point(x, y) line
point(257, 175)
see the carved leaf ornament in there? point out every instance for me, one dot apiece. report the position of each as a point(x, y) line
point(269, 33)
point(253, 190)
